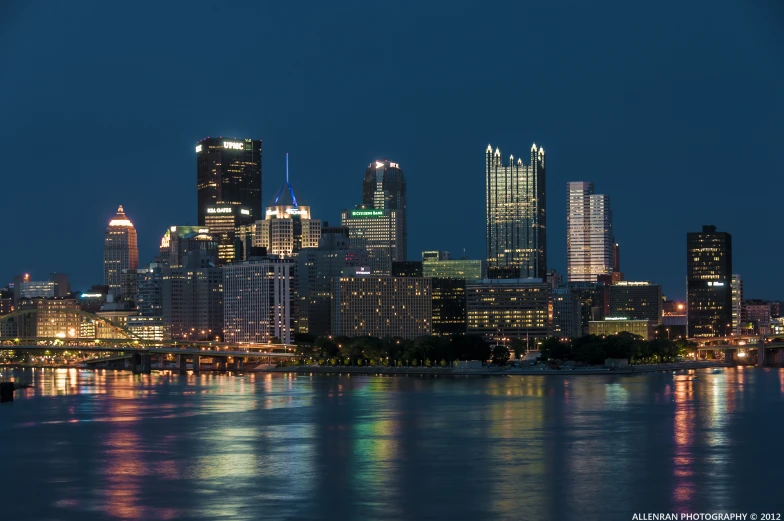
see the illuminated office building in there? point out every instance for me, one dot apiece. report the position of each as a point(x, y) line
point(228, 174)
point(222, 222)
point(56, 286)
point(257, 301)
point(516, 215)
point(192, 303)
point(192, 246)
point(508, 308)
point(379, 223)
point(55, 317)
point(566, 320)
point(590, 245)
point(464, 269)
point(435, 255)
point(613, 325)
point(636, 301)
point(708, 283)
point(120, 251)
point(381, 306)
point(287, 226)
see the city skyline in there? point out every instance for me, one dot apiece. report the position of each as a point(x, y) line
point(601, 121)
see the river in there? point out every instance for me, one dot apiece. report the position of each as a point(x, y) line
point(82, 445)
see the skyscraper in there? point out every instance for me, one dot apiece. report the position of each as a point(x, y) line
point(590, 245)
point(379, 224)
point(120, 251)
point(737, 304)
point(287, 226)
point(708, 283)
point(516, 214)
point(228, 173)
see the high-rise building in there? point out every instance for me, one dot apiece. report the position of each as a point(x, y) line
point(222, 222)
point(379, 223)
point(384, 188)
point(566, 321)
point(377, 232)
point(228, 173)
point(516, 214)
point(257, 301)
point(590, 245)
point(192, 246)
point(449, 306)
point(737, 304)
point(708, 282)
point(316, 269)
point(508, 308)
point(465, 269)
point(381, 306)
point(120, 251)
point(287, 226)
point(192, 303)
point(636, 301)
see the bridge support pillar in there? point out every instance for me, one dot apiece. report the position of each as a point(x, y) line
point(220, 363)
point(136, 363)
point(182, 362)
point(239, 363)
point(761, 353)
point(146, 363)
point(196, 368)
point(728, 356)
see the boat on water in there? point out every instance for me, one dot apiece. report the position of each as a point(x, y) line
point(717, 371)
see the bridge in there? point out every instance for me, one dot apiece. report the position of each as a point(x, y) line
point(138, 355)
point(757, 349)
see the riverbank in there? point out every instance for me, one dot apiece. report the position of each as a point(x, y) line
point(497, 371)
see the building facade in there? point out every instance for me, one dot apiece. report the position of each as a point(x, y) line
point(257, 304)
point(188, 245)
point(55, 317)
point(120, 251)
point(566, 320)
point(449, 306)
point(590, 245)
point(613, 326)
point(636, 300)
point(515, 206)
point(316, 267)
point(508, 308)
point(228, 172)
point(464, 269)
point(379, 232)
point(381, 306)
point(192, 303)
point(737, 304)
point(708, 283)
point(384, 188)
point(222, 222)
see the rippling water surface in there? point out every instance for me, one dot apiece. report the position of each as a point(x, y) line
point(84, 445)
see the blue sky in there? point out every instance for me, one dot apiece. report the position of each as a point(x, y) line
point(674, 109)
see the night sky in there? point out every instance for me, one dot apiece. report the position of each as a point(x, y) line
point(672, 108)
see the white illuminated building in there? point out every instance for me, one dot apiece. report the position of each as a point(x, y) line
point(589, 233)
point(256, 301)
point(287, 226)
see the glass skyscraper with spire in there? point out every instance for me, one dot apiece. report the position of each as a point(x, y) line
point(516, 214)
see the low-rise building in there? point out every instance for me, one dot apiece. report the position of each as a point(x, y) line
point(614, 325)
point(508, 308)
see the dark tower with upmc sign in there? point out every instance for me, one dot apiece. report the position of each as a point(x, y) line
point(228, 173)
point(709, 283)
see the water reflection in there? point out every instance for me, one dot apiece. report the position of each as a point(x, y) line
point(266, 446)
